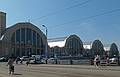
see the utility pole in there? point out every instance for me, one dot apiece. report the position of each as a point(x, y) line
point(46, 50)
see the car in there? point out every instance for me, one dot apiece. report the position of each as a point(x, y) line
point(24, 58)
point(44, 60)
point(52, 60)
point(113, 61)
point(3, 59)
point(103, 62)
point(35, 57)
point(36, 62)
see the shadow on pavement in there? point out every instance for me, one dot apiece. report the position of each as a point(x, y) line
point(17, 74)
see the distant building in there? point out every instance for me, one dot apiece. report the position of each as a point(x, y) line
point(107, 47)
point(113, 50)
point(97, 48)
point(87, 45)
point(61, 47)
point(2, 23)
point(66, 46)
point(20, 39)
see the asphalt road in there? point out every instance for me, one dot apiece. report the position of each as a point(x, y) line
point(60, 71)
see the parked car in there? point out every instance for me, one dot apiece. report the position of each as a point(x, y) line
point(113, 61)
point(44, 60)
point(52, 60)
point(36, 62)
point(24, 58)
point(3, 59)
point(35, 57)
point(103, 62)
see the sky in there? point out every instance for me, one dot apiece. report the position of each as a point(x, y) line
point(89, 19)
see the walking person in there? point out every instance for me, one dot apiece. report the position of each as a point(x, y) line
point(10, 65)
point(21, 61)
point(28, 61)
point(16, 60)
point(107, 60)
point(96, 61)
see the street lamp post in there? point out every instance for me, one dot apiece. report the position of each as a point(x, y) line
point(46, 53)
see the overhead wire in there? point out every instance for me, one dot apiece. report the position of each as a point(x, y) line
point(59, 11)
point(86, 18)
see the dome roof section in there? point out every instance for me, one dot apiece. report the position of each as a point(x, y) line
point(97, 47)
point(75, 39)
point(114, 50)
point(59, 42)
point(64, 41)
point(97, 44)
point(10, 30)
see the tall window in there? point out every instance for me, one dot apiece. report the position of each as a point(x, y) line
point(13, 38)
point(34, 38)
point(18, 36)
point(29, 36)
point(38, 40)
point(22, 35)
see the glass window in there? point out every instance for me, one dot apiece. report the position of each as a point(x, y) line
point(38, 52)
point(23, 51)
point(18, 52)
point(41, 43)
point(34, 51)
point(18, 36)
point(22, 35)
point(13, 38)
point(29, 36)
point(34, 38)
point(38, 40)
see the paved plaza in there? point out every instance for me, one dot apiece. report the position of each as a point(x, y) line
point(44, 70)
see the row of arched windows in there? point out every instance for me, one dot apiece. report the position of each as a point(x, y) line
point(26, 41)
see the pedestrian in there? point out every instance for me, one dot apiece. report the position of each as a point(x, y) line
point(10, 65)
point(21, 61)
point(71, 62)
point(46, 61)
point(28, 61)
point(107, 60)
point(16, 60)
point(96, 61)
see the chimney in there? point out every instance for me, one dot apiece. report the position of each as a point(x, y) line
point(2, 23)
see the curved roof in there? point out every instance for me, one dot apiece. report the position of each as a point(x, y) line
point(114, 47)
point(60, 42)
point(75, 37)
point(97, 44)
point(10, 30)
point(107, 47)
point(2, 37)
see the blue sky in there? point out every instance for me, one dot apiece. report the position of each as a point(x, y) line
point(104, 27)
